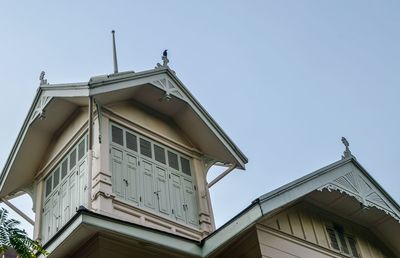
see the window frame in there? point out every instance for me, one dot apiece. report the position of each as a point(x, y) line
point(339, 232)
point(58, 167)
point(153, 142)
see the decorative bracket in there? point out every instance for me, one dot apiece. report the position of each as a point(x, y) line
point(208, 162)
point(170, 88)
point(39, 109)
point(354, 185)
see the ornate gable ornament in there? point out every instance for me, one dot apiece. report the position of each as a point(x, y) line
point(42, 102)
point(39, 110)
point(170, 88)
point(356, 185)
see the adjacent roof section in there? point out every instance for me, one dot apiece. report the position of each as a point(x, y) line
point(371, 206)
point(346, 176)
point(159, 89)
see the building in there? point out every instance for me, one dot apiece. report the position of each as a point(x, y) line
point(116, 167)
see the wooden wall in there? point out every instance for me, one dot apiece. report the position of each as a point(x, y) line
point(106, 246)
point(304, 225)
point(244, 246)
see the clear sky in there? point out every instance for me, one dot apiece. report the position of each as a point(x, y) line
point(284, 79)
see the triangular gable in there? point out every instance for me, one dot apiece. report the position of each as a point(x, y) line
point(356, 184)
point(346, 176)
point(77, 94)
point(162, 78)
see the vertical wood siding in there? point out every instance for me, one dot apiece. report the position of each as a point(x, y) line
point(307, 222)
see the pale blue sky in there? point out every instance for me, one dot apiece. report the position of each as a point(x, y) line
point(284, 79)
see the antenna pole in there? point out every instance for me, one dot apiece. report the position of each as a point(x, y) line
point(114, 53)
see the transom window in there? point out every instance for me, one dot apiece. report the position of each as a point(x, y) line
point(151, 150)
point(65, 167)
point(340, 241)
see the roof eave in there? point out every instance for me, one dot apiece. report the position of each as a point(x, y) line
point(99, 81)
point(17, 142)
point(242, 158)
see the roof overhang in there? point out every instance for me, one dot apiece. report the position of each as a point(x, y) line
point(44, 119)
point(346, 189)
point(158, 89)
point(85, 225)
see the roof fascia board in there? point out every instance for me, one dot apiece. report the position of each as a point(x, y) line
point(184, 94)
point(150, 76)
point(67, 92)
point(223, 235)
point(301, 187)
point(376, 184)
point(121, 77)
point(200, 110)
point(358, 184)
point(64, 86)
point(77, 221)
point(322, 179)
point(168, 241)
point(18, 141)
point(279, 191)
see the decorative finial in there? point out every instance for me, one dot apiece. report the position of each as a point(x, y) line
point(165, 59)
point(114, 52)
point(347, 152)
point(43, 81)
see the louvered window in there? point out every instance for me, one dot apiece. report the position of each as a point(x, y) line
point(81, 149)
point(159, 154)
point(64, 168)
point(353, 247)
point(145, 148)
point(56, 177)
point(152, 176)
point(173, 160)
point(72, 159)
point(117, 135)
point(332, 237)
point(65, 189)
point(48, 186)
point(340, 241)
point(185, 165)
point(131, 141)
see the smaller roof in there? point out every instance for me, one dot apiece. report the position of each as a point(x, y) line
point(346, 177)
point(55, 103)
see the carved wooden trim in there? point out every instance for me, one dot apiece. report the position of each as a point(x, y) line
point(354, 185)
point(39, 108)
point(170, 88)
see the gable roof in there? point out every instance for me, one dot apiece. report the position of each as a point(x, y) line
point(346, 176)
point(65, 98)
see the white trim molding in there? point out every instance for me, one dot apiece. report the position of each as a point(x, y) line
point(355, 185)
point(170, 88)
point(39, 110)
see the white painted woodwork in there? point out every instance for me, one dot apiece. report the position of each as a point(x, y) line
point(306, 222)
point(65, 190)
point(152, 177)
